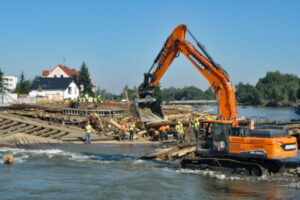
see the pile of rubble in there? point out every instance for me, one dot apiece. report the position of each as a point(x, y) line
point(111, 127)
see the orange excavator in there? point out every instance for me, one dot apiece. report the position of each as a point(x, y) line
point(227, 141)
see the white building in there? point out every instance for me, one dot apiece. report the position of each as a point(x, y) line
point(61, 71)
point(65, 87)
point(10, 82)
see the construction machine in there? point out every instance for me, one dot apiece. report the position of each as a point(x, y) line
point(227, 141)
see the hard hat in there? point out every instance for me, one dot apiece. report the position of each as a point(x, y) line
point(208, 118)
point(178, 122)
point(197, 119)
point(168, 126)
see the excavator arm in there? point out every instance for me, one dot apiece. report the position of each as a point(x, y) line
point(163, 61)
point(213, 72)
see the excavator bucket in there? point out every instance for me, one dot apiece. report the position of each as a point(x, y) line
point(147, 110)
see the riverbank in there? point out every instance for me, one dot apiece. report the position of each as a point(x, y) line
point(271, 104)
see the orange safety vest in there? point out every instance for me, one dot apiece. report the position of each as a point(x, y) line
point(123, 127)
point(162, 128)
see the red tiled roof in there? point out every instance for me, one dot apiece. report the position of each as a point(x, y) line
point(70, 72)
point(46, 73)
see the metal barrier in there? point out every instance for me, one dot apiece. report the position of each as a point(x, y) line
point(101, 113)
point(259, 118)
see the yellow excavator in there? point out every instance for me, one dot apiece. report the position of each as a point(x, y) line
point(229, 142)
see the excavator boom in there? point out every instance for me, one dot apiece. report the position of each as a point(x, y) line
point(228, 142)
point(215, 75)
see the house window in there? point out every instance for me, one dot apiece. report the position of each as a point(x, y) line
point(69, 90)
point(54, 76)
point(61, 76)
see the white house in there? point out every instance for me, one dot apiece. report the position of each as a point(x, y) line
point(10, 82)
point(61, 71)
point(65, 87)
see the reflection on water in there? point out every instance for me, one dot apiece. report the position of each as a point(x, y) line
point(109, 171)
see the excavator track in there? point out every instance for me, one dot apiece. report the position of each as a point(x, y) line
point(236, 166)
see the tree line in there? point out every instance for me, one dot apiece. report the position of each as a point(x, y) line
point(272, 89)
point(165, 94)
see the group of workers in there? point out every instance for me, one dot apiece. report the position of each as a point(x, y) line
point(124, 130)
point(181, 135)
point(96, 99)
point(89, 129)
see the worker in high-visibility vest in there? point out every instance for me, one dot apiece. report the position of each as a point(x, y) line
point(180, 131)
point(162, 132)
point(131, 131)
point(123, 132)
point(196, 132)
point(88, 129)
point(191, 125)
point(99, 98)
point(208, 134)
point(86, 96)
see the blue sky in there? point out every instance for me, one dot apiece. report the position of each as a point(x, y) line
point(118, 40)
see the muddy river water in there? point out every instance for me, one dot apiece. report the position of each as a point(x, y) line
point(114, 171)
point(109, 171)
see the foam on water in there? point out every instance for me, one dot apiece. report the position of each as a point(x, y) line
point(22, 155)
point(138, 161)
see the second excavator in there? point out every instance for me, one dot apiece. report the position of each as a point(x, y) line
point(227, 141)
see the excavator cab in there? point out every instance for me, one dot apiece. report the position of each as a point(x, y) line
point(215, 134)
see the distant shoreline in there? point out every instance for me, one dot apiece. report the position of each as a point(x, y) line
point(274, 105)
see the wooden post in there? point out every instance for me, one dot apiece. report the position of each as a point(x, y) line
point(127, 102)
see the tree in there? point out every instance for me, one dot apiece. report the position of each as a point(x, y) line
point(85, 80)
point(279, 87)
point(257, 97)
point(23, 86)
point(157, 92)
point(245, 94)
point(132, 93)
point(40, 89)
point(210, 94)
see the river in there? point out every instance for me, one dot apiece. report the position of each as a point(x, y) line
point(114, 171)
point(262, 113)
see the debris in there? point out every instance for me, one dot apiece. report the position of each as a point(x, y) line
point(141, 133)
point(25, 139)
point(9, 159)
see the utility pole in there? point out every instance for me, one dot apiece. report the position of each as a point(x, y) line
point(127, 101)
